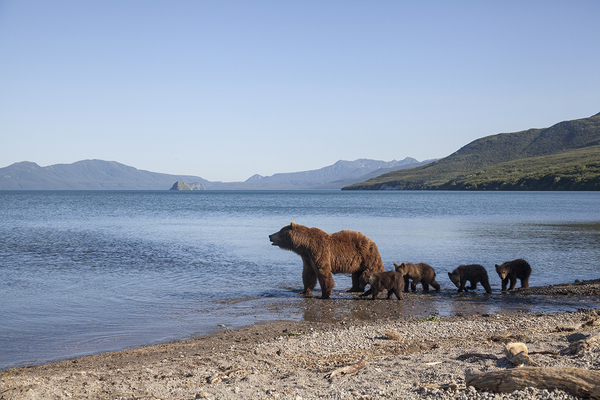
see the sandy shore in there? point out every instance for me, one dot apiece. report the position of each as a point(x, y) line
point(406, 358)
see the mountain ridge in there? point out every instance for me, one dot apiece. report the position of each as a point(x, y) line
point(111, 175)
point(488, 151)
point(85, 175)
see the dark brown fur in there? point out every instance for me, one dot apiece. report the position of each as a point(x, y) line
point(472, 273)
point(419, 273)
point(344, 252)
point(379, 281)
point(513, 270)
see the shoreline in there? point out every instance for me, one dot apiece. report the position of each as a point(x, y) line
point(407, 357)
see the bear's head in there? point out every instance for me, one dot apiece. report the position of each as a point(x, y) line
point(455, 278)
point(367, 278)
point(282, 238)
point(290, 237)
point(502, 270)
point(401, 269)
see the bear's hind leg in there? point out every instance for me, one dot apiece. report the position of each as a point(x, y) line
point(435, 285)
point(525, 283)
point(473, 284)
point(356, 285)
point(326, 282)
point(486, 284)
point(425, 286)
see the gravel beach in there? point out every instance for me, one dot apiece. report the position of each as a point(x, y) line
point(406, 358)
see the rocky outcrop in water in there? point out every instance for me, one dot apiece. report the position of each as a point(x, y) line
point(181, 185)
point(196, 186)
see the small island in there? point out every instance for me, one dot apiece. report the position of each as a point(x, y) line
point(181, 185)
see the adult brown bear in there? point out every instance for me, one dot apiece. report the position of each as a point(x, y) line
point(344, 252)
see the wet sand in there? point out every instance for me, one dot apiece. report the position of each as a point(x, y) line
point(407, 356)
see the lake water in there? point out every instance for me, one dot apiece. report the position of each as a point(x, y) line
point(85, 272)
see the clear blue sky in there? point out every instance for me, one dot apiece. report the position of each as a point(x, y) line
point(228, 89)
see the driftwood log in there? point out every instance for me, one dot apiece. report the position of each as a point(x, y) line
point(478, 355)
point(350, 369)
point(577, 381)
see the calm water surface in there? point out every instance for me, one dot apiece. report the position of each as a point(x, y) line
point(86, 272)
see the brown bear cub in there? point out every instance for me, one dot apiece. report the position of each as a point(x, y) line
point(513, 270)
point(472, 273)
point(419, 273)
point(344, 252)
point(379, 281)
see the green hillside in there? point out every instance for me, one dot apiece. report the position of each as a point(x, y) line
point(573, 170)
point(494, 150)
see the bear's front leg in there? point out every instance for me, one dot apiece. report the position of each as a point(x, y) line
point(375, 293)
point(309, 277)
point(366, 293)
point(406, 281)
point(504, 283)
point(513, 283)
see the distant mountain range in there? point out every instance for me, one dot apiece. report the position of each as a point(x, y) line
point(335, 176)
point(110, 175)
point(565, 156)
point(86, 175)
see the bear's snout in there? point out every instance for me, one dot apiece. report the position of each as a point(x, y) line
point(273, 238)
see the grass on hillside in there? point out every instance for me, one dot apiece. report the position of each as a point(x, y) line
point(509, 161)
point(573, 170)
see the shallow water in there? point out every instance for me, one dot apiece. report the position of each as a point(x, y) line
point(88, 272)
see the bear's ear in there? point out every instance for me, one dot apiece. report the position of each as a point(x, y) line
point(396, 265)
point(497, 265)
point(449, 274)
point(292, 224)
